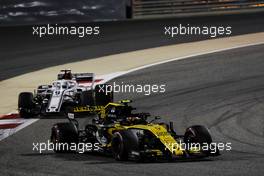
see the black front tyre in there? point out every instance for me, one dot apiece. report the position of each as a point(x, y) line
point(63, 135)
point(25, 105)
point(198, 135)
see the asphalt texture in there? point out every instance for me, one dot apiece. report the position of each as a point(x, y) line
point(21, 52)
point(223, 91)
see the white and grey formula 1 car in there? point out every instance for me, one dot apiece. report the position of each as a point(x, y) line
point(67, 91)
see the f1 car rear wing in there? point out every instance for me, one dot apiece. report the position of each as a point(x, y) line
point(89, 77)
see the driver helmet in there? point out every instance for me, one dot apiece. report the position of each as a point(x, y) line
point(112, 111)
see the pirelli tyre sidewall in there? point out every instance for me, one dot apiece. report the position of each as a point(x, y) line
point(25, 104)
point(123, 143)
point(64, 133)
point(198, 134)
point(119, 148)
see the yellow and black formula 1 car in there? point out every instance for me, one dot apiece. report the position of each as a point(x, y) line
point(128, 135)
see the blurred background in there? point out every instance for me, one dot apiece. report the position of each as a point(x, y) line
point(125, 25)
point(23, 12)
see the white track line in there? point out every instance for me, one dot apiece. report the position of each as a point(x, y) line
point(189, 56)
point(4, 133)
point(111, 76)
point(114, 75)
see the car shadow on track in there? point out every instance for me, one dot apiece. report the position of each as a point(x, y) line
point(97, 158)
point(90, 158)
point(64, 116)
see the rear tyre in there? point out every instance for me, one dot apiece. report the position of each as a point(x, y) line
point(119, 147)
point(25, 104)
point(63, 135)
